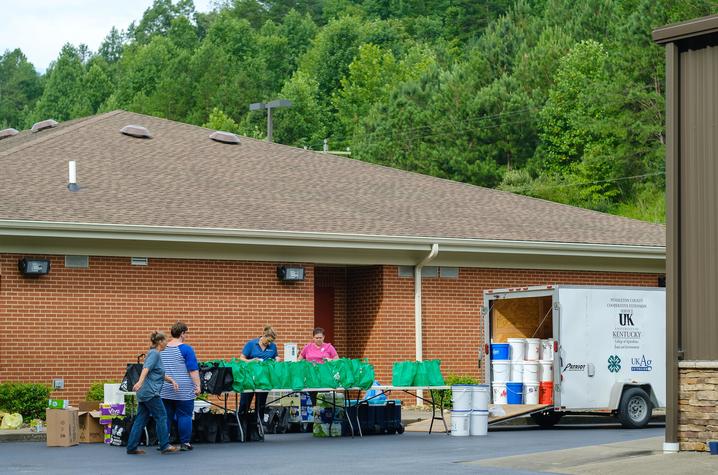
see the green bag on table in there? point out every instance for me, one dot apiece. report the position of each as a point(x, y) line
point(242, 378)
point(279, 375)
point(363, 373)
point(403, 372)
point(421, 378)
point(311, 375)
point(343, 372)
point(326, 375)
point(259, 371)
point(433, 373)
point(297, 374)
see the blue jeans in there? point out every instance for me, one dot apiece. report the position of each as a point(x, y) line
point(182, 412)
point(155, 408)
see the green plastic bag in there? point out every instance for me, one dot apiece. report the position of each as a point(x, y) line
point(402, 373)
point(343, 372)
point(421, 378)
point(433, 371)
point(279, 375)
point(297, 375)
point(260, 371)
point(311, 374)
point(363, 373)
point(242, 379)
point(326, 376)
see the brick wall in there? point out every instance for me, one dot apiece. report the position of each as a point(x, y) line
point(84, 325)
point(697, 404)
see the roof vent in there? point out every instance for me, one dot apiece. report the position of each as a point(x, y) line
point(5, 133)
point(136, 131)
point(224, 137)
point(45, 124)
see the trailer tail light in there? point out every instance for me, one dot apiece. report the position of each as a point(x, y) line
point(555, 346)
point(486, 348)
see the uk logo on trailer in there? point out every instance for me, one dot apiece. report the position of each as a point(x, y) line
point(614, 364)
point(641, 364)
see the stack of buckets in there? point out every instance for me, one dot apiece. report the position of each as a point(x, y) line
point(522, 371)
point(470, 409)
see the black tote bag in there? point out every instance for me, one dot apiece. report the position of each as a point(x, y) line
point(132, 375)
point(215, 379)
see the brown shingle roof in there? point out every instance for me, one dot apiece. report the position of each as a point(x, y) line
point(181, 178)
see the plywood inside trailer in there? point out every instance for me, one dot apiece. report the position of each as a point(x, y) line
point(520, 318)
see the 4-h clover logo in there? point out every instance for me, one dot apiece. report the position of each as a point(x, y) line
point(614, 363)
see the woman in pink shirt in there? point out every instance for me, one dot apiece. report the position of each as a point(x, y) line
point(317, 351)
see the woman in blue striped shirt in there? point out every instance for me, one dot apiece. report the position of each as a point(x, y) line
point(181, 364)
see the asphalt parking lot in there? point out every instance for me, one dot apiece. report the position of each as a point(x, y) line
point(296, 453)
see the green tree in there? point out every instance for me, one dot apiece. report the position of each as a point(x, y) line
point(218, 120)
point(567, 117)
point(97, 84)
point(305, 123)
point(20, 87)
point(157, 20)
point(372, 76)
point(112, 46)
point(64, 96)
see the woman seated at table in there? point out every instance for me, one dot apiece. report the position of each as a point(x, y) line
point(258, 349)
point(316, 352)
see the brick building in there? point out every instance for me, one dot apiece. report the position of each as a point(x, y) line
point(211, 222)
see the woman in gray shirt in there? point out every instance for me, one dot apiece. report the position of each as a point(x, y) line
point(149, 402)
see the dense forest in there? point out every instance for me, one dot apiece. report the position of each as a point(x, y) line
point(557, 99)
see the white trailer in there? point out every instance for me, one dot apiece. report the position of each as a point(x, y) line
point(609, 350)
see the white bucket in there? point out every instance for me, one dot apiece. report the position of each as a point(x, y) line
point(480, 397)
point(501, 370)
point(533, 349)
point(461, 397)
point(290, 352)
point(479, 423)
point(460, 423)
point(517, 370)
point(547, 349)
point(531, 370)
point(546, 370)
point(112, 394)
point(531, 393)
point(517, 348)
point(499, 392)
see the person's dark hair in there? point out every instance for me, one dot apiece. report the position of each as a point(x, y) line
point(178, 329)
point(157, 337)
point(317, 331)
point(269, 332)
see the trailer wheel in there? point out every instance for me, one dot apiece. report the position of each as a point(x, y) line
point(546, 419)
point(635, 409)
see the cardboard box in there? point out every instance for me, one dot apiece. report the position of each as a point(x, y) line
point(62, 427)
point(91, 431)
point(86, 406)
point(58, 403)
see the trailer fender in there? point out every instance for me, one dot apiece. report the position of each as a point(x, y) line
point(619, 387)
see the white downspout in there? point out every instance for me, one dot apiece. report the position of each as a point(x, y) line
point(418, 312)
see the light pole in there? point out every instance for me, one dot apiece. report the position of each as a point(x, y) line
point(269, 106)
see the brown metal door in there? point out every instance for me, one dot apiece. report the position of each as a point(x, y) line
point(324, 311)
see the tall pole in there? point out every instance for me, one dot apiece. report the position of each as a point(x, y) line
point(269, 106)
